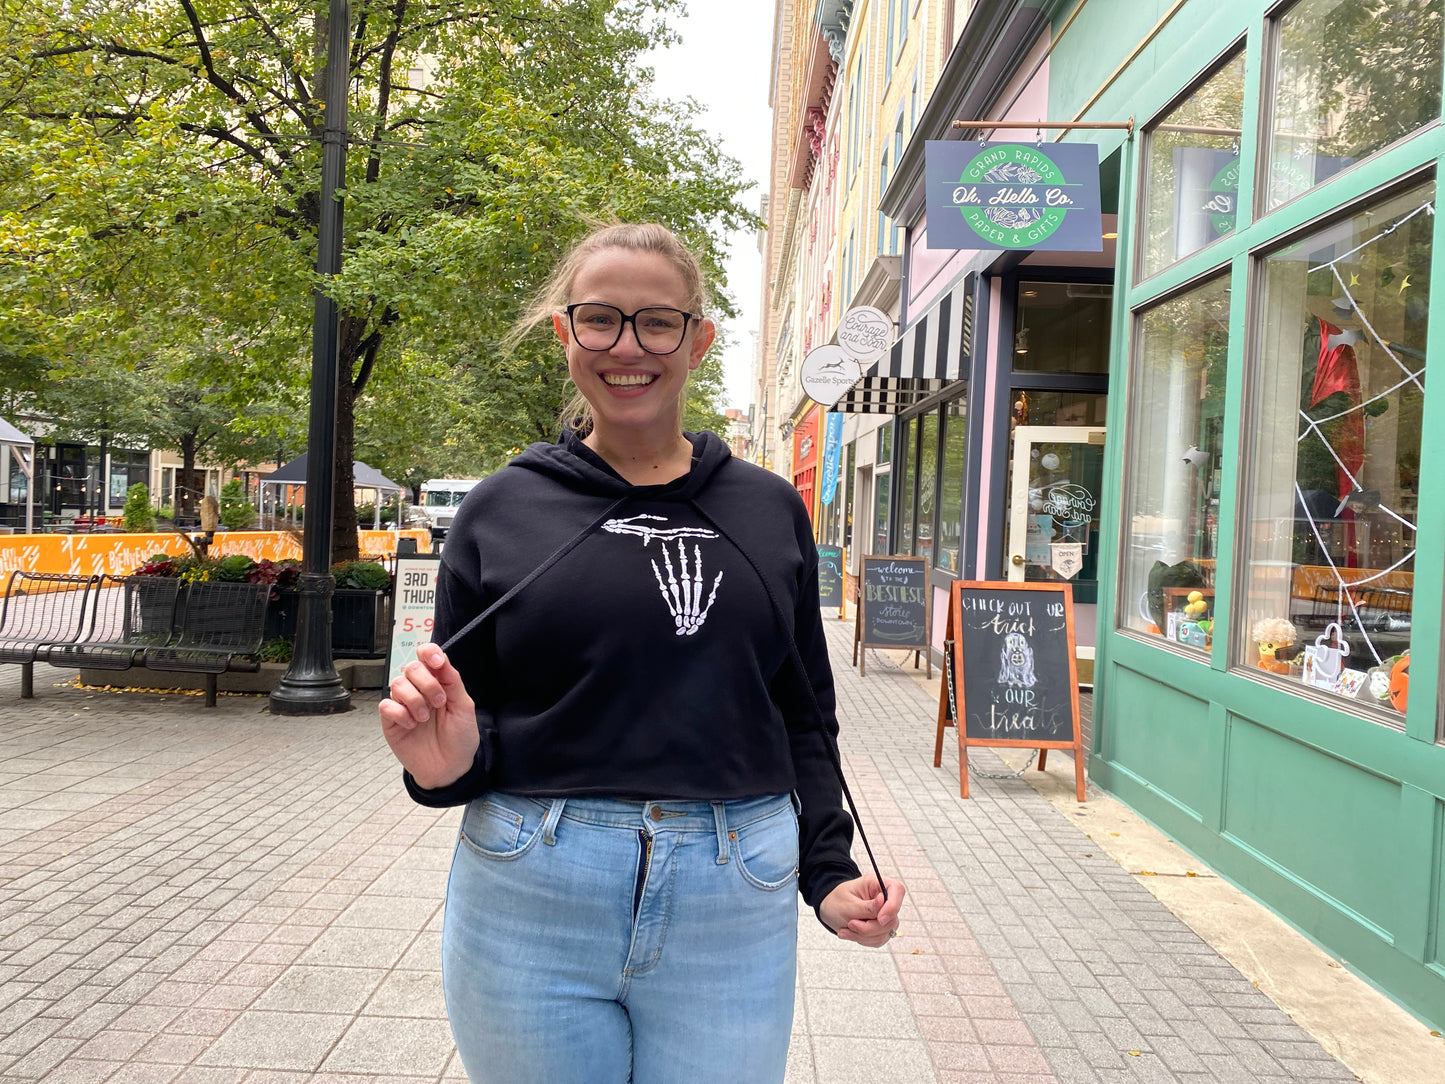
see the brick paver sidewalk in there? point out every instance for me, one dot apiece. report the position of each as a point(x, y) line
point(222, 896)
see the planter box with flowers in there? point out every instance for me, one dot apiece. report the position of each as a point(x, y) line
point(360, 605)
point(360, 610)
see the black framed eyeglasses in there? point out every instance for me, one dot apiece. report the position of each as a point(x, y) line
point(659, 330)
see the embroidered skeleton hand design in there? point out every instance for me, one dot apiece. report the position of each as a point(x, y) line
point(684, 598)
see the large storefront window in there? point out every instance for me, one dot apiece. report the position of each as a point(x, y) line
point(903, 483)
point(1176, 435)
point(927, 483)
point(1192, 176)
point(1062, 327)
point(881, 483)
point(950, 496)
point(1338, 392)
point(1351, 76)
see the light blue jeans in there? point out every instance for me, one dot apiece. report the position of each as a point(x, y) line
point(593, 941)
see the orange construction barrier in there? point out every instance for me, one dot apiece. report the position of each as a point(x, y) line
point(122, 554)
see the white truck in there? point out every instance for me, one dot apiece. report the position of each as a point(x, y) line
point(440, 498)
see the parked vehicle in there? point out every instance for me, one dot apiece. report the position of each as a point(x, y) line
point(440, 498)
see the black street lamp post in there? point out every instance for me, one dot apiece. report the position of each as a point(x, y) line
point(311, 685)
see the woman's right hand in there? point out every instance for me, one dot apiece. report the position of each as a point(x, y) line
point(430, 721)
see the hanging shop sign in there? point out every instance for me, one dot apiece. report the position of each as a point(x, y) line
point(828, 372)
point(832, 455)
point(865, 333)
point(1013, 196)
point(864, 336)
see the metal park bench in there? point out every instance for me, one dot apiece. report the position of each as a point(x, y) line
point(221, 628)
point(131, 615)
point(149, 621)
point(39, 611)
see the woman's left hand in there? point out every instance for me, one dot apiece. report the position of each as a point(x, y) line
point(857, 911)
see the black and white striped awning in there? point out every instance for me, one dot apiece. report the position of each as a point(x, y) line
point(930, 355)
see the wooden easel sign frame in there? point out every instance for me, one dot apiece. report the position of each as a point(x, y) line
point(892, 602)
point(831, 560)
point(1008, 653)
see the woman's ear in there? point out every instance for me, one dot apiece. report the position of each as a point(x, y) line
point(706, 332)
point(559, 325)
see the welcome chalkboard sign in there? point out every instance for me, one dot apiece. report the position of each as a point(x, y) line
point(831, 562)
point(894, 608)
point(1010, 676)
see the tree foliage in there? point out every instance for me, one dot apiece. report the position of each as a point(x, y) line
point(160, 196)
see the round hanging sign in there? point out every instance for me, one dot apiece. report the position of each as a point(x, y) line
point(828, 372)
point(865, 333)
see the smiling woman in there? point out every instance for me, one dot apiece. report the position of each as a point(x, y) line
point(694, 703)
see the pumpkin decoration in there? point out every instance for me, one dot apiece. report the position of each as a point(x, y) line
point(1400, 683)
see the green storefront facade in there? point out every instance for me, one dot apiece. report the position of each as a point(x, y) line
point(1271, 550)
point(1277, 248)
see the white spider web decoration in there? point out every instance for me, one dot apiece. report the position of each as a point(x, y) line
point(1343, 586)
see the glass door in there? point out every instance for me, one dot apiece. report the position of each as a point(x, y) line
point(1055, 491)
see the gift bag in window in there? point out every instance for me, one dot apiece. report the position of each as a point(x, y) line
point(1325, 658)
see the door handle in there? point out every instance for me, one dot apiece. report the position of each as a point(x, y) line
point(1017, 559)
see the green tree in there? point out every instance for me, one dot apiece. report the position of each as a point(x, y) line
point(159, 200)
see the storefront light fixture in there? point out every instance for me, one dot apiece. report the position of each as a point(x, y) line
point(1021, 341)
point(1111, 237)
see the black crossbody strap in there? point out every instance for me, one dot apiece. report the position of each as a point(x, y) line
point(561, 551)
point(802, 668)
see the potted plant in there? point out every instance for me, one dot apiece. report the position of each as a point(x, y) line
point(281, 610)
point(156, 610)
point(360, 609)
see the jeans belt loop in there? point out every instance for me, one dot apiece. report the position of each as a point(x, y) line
point(720, 818)
point(549, 823)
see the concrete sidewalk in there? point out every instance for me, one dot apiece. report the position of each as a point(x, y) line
point(221, 896)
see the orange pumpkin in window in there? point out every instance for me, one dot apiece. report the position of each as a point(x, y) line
point(1400, 683)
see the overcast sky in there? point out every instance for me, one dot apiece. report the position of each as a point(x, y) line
point(723, 61)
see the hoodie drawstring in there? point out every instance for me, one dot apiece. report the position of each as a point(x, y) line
point(802, 668)
point(561, 551)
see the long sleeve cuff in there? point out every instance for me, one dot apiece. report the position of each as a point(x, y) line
point(471, 784)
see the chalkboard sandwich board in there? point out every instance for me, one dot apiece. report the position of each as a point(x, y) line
point(831, 562)
point(894, 608)
point(1009, 675)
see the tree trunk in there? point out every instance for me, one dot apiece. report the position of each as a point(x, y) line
point(188, 484)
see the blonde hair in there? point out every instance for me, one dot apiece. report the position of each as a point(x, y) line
point(555, 292)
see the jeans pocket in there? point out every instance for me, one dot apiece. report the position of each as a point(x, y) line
point(766, 850)
point(496, 831)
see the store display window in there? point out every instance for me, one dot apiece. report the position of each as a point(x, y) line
point(881, 483)
point(950, 496)
point(927, 483)
point(1337, 392)
point(1192, 170)
point(1175, 444)
point(903, 481)
point(1350, 77)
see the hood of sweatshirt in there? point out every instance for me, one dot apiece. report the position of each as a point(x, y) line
point(578, 467)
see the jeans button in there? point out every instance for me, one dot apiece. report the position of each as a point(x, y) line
point(656, 813)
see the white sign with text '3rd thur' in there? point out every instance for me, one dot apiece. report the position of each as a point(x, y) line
point(413, 610)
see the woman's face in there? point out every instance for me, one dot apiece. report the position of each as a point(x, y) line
point(630, 389)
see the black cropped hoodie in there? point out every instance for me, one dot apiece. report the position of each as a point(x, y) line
point(652, 660)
